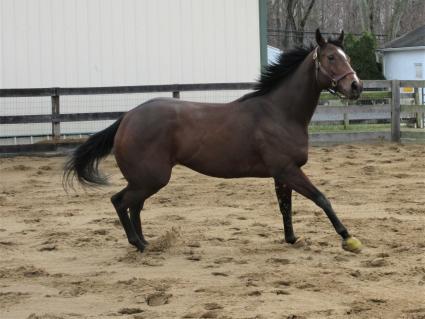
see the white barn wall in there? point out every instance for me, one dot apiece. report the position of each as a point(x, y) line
point(77, 43)
point(400, 64)
point(72, 43)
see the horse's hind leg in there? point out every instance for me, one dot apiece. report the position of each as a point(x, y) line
point(147, 181)
point(136, 222)
point(121, 208)
point(140, 196)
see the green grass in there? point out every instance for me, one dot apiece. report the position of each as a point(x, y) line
point(351, 128)
point(366, 95)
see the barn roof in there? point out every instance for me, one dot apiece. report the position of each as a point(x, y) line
point(415, 38)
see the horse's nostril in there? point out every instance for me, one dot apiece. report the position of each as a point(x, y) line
point(355, 86)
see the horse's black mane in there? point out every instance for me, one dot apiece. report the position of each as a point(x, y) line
point(287, 63)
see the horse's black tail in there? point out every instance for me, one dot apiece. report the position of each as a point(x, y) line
point(84, 161)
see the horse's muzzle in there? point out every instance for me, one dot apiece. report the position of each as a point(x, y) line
point(356, 90)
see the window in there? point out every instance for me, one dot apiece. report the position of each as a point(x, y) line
point(418, 71)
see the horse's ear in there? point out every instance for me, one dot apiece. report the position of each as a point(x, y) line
point(319, 38)
point(341, 38)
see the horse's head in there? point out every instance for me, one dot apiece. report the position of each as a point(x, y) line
point(333, 69)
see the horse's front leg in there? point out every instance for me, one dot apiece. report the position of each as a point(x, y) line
point(284, 198)
point(296, 180)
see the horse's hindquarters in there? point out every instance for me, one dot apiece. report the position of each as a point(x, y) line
point(143, 145)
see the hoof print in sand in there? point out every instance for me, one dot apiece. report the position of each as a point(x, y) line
point(44, 316)
point(210, 314)
point(223, 260)
point(200, 314)
point(130, 311)
point(280, 261)
point(281, 283)
point(194, 244)
point(158, 299)
point(72, 292)
point(254, 293)
point(376, 262)
point(48, 247)
point(220, 274)
point(194, 257)
point(212, 306)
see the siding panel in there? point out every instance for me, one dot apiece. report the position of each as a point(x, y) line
point(401, 64)
point(127, 42)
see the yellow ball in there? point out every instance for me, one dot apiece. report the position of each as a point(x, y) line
point(352, 244)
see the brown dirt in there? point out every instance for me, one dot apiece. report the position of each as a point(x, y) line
point(216, 245)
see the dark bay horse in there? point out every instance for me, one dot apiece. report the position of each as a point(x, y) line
point(262, 134)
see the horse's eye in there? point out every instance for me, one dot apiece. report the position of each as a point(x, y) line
point(331, 58)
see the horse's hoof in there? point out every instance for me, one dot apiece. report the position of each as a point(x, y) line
point(292, 240)
point(141, 248)
point(138, 244)
point(299, 242)
point(352, 244)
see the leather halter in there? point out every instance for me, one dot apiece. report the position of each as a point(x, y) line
point(334, 80)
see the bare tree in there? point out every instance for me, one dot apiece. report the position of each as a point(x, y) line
point(367, 10)
point(398, 9)
point(297, 13)
point(414, 16)
point(293, 21)
point(276, 17)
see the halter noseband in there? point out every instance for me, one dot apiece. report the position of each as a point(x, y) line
point(334, 80)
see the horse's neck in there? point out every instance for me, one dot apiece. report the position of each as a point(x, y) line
point(298, 95)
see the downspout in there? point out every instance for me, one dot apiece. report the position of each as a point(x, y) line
point(263, 32)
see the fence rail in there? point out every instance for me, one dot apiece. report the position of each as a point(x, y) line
point(57, 91)
point(382, 90)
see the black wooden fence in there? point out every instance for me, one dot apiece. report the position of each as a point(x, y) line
point(374, 90)
point(55, 93)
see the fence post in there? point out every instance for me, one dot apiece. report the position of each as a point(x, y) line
point(346, 119)
point(395, 111)
point(419, 115)
point(176, 94)
point(56, 129)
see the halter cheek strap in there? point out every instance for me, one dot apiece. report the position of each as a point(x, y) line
point(334, 80)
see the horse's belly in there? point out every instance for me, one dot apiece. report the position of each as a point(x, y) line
point(227, 166)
